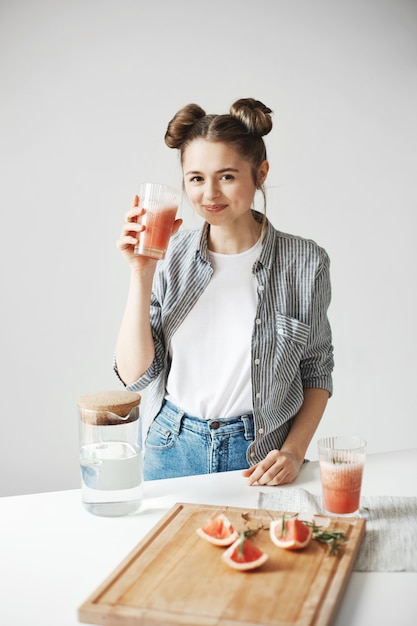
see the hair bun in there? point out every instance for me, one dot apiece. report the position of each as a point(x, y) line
point(181, 123)
point(253, 114)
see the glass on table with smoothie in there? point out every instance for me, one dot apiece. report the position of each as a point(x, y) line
point(160, 203)
point(341, 462)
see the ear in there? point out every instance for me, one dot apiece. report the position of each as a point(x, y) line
point(263, 172)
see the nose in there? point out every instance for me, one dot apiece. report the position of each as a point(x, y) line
point(212, 189)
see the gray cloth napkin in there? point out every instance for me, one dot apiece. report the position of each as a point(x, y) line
point(390, 540)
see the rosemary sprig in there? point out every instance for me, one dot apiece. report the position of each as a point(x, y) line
point(283, 527)
point(335, 539)
point(241, 550)
point(244, 534)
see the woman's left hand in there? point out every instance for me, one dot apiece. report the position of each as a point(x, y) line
point(277, 468)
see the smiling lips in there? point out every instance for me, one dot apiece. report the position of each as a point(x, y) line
point(214, 208)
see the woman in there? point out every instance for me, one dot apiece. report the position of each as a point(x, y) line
point(229, 332)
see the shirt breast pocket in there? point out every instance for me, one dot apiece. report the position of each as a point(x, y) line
point(291, 337)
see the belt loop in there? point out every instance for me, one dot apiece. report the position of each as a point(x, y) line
point(248, 426)
point(174, 414)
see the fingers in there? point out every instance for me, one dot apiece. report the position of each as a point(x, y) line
point(130, 235)
point(131, 227)
point(249, 471)
point(134, 212)
point(277, 468)
point(177, 226)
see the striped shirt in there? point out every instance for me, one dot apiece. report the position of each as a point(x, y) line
point(291, 340)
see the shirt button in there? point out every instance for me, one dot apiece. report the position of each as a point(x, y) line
point(258, 321)
point(261, 287)
point(258, 395)
point(257, 361)
point(261, 431)
point(280, 331)
point(252, 454)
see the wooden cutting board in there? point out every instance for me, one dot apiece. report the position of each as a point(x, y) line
point(174, 577)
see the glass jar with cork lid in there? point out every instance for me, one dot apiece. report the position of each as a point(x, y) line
point(111, 452)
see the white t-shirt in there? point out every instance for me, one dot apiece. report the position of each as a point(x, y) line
point(210, 375)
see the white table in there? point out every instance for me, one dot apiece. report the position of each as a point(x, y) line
point(53, 554)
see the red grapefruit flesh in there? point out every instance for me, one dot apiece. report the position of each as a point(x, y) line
point(291, 534)
point(244, 555)
point(218, 531)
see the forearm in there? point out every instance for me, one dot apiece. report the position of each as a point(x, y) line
point(135, 347)
point(306, 422)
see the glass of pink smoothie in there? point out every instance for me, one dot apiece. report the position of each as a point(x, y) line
point(341, 461)
point(160, 203)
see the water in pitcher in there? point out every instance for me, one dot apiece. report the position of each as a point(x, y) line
point(111, 478)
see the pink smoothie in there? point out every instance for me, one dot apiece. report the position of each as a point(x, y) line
point(341, 484)
point(154, 240)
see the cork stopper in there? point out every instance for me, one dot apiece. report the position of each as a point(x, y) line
point(109, 407)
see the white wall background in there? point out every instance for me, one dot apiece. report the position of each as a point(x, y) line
point(87, 88)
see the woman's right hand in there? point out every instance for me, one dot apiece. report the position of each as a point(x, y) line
point(130, 235)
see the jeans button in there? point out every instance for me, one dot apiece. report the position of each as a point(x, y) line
point(215, 425)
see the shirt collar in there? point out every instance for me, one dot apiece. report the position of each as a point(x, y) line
point(202, 248)
point(266, 256)
point(268, 245)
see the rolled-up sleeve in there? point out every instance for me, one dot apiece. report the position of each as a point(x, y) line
point(318, 360)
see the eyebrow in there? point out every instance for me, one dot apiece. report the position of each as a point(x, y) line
point(222, 171)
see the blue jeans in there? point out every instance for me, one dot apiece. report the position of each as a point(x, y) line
point(178, 444)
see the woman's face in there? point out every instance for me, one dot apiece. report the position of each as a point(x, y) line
point(218, 182)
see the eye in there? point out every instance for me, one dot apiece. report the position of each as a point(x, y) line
point(228, 177)
point(195, 179)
